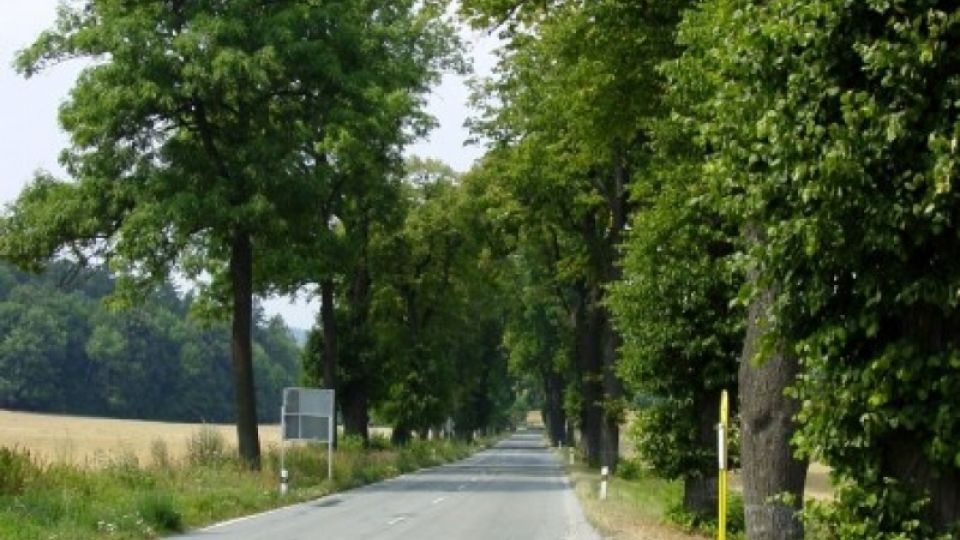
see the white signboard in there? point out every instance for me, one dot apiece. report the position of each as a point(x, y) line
point(307, 415)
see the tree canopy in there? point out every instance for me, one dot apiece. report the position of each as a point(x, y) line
point(204, 135)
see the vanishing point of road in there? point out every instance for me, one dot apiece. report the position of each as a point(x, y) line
point(515, 490)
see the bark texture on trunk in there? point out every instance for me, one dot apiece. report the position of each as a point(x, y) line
point(401, 435)
point(902, 454)
point(356, 415)
point(767, 460)
point(354, 391)
point(700, 493)
point(619, 203)
point(329, 321)
point(700, 496)
point(590, 363)
point(613, 391)
point(241, 277)
point(555, 417)
point(903, 459)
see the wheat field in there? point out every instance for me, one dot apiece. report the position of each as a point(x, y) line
point(95, 441)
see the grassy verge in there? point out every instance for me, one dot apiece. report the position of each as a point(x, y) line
point(126, 499)
point(638, 507)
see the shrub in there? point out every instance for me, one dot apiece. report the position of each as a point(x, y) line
point(630, 469)
point(206, 447)
point(125, 468)
point(379, 442)
point(888, 512)
point(736, 524)
point(16, 470)
point(350, 443)
point(157, 509)
point(160, 454)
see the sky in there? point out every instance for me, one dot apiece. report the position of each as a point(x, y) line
point(31, 140)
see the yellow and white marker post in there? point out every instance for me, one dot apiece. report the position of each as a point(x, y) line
point(722, 475)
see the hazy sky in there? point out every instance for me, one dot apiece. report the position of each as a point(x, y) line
point(30, 138)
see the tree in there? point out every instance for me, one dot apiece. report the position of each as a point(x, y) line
point(190, 136)
point(864, 93)
point(682, 330)
point(710, 81)
point(63, 350)
point(577, 154)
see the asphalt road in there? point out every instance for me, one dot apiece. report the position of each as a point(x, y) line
point(516, 490)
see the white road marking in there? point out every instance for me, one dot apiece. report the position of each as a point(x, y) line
point(439, 500)
point(396, 520)
point(244, 518)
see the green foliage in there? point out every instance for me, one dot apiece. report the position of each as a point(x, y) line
point(682, 334)
point(667, 437)
point(829, 125)
point(157, 510)
point(63, 350)
point(889, 513)
point(124, 500)
point(418, 328)
point(691, 521)
point(203, 135)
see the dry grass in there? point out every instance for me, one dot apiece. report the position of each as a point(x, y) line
point(818, 485)
point(92, 441)
point(82, 440)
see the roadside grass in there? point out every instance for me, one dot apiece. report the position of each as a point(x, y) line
point(639, 506)
point(127, 499)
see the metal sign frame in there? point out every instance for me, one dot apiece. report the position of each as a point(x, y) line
point(311, 404)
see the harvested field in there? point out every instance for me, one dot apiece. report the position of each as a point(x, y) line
point(93, 441)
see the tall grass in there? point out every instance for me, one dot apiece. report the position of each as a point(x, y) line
point(124, 499)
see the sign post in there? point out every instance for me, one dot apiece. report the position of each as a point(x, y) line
point(307, 414)
point(722, 476)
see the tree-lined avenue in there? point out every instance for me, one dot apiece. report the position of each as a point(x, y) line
point(515, 490)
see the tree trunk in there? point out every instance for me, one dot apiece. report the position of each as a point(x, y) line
point(613, 395)
point(611, 340)
point(901, 450)
point(587, 329)
point(700, 492)
point(400, 435)
point(769, 467)
point(329, 321)
point(555, 417)
point(903, 459)
point(700, 495)
point(241, 277)
point(355, 394)
point(355, 411)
